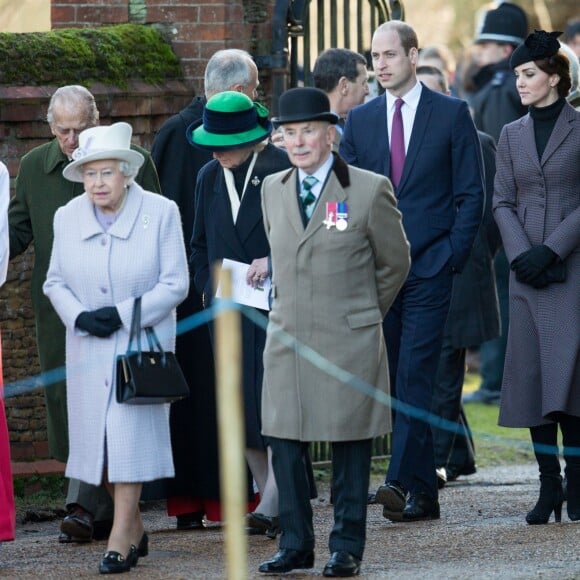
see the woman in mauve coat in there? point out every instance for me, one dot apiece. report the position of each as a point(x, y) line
point(114, 243)
point(537, 208)
point(7, 513)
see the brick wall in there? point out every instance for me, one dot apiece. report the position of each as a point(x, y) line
point(22, 127)
point(196, 29)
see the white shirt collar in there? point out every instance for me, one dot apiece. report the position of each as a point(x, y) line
point(411, 97)
point(321, 174)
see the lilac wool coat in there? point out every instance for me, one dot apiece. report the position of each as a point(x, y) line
point(141, 254)
point(538, 202)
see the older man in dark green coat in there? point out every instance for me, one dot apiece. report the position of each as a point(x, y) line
point(40, 191)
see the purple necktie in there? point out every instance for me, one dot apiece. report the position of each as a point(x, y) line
point(397, 144)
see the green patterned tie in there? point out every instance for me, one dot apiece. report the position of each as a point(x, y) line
point(308, 198)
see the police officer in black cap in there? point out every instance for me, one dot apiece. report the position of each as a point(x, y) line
point(496, 101)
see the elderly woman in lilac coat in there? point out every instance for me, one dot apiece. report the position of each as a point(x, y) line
point(537, 209)
point(112, 244)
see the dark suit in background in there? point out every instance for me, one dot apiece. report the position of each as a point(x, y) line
point(440, 195)
point(193, 420)
point(473, 318)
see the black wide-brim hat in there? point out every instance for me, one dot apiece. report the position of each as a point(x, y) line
point(304, 104)
point(538, 45)
point(231, 120)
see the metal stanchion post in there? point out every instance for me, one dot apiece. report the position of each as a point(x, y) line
point(231, 431)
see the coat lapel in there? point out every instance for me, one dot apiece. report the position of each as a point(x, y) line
point(250, 214)
point(528, 140)
point(89, 224)
point(290, 201)
point(562, 129)
point(424, 110)
point(223, 214)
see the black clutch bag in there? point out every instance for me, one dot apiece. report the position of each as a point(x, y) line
point(146, 378)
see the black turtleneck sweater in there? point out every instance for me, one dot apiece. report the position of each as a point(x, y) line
point(544, 120)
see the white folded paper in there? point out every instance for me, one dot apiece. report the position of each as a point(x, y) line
point(242, 292)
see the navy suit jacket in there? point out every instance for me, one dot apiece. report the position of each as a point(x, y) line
point(441, 190)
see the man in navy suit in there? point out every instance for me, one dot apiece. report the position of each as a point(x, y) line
point(440, 194)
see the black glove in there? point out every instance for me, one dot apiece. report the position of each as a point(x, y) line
point(530, 264)
point(101, 323)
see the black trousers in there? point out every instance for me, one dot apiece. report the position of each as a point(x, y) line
point(453, 449)
point(350, 482)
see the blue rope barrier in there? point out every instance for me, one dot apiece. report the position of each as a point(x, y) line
point(44, 380)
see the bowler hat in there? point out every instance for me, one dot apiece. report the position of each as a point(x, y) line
point(304, 104)
point(104, 142)
point(506, 24)
point(538, 45)
point(231, 120)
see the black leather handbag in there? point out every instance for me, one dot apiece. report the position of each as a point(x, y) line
point(146, 378)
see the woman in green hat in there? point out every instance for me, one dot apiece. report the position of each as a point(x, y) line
point(228, 224)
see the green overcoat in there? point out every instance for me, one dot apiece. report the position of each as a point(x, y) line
point(40, 191)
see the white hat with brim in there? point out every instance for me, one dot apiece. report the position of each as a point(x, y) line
point(104, 142)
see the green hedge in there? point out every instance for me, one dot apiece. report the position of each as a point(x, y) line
point(111, 54)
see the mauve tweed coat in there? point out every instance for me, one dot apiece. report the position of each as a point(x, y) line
point(141, 254)
point(538, 202)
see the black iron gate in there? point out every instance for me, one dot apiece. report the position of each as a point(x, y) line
point(304, 28)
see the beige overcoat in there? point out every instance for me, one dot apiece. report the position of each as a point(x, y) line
point(331, 290)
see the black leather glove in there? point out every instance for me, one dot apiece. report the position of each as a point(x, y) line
point(530, 264)
point(101, 322)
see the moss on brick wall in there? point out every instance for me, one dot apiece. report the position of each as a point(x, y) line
point(110, 54)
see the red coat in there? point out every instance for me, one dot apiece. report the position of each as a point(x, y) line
point(7, 512)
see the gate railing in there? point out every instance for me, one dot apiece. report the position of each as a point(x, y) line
point(301, 29)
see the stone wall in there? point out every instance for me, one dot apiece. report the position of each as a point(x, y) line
point(22, 127)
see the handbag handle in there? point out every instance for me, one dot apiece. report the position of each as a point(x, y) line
point(135, 334)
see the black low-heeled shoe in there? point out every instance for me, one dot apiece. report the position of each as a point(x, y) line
point(115, 563)
point(139, 551)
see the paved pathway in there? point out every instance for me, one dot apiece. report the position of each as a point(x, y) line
point(481, 534)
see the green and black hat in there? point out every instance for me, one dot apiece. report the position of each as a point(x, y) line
point(231, 120)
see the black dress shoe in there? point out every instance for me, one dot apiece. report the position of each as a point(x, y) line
point(392, 496)
point(286, 560)
point(259, 524)
point(421, 506)
point(191, 521)
point(78, 524)
point(115, 563)
point(453, 471)
point(342, 564)
point(64, 538)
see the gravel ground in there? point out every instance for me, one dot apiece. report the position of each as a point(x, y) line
point(482, 534)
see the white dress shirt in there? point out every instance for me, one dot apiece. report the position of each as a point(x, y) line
point(408, 111)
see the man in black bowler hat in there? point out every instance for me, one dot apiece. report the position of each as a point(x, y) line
point(339, 257)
